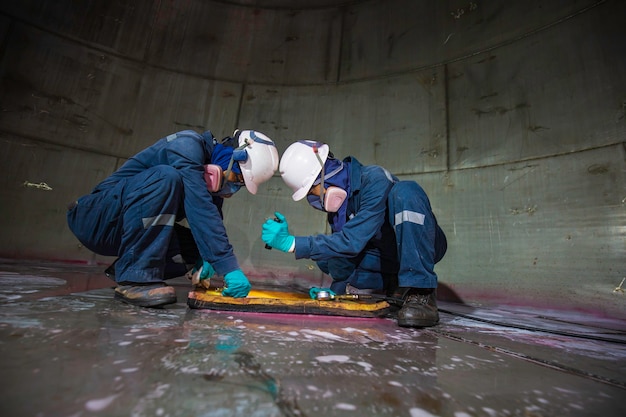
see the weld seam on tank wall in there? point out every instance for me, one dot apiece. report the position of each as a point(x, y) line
point(44, 141)
point(446, 98)
point(342, 25)
point(240, 102)
point(146, 50)
point(380, 76)
point(505, 163)
point(292, 8)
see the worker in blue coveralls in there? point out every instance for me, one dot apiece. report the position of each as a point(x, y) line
point(135, 213)
point(385, 238)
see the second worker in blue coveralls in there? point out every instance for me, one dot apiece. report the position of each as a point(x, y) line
point(133, 214)
point(385, 238)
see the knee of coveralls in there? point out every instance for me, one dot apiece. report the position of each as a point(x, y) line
point(339, 270)
point(151, 204)
point(362, 272)
point(370, 273)
point(415, 226)
point(95, 221)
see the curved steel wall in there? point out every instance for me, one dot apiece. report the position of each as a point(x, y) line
point(510, 114)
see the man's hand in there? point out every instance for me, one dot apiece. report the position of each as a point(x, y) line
point(314, 291)
point(201, 273)
point(276, 234)
point(237, 285)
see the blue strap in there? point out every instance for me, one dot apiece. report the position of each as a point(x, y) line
point(260, 140)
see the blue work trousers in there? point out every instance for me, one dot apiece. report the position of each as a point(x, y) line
point(134, 220)
point(420, 241)
point(419, 245)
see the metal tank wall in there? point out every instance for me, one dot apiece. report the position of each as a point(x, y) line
point(512, 116)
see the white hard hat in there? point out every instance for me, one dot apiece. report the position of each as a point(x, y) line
point(262, 160)
point(300, 166)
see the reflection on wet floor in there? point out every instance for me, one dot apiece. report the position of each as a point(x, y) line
point(69, 349)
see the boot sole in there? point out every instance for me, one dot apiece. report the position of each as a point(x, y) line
point(417, 323)
point(152, 302)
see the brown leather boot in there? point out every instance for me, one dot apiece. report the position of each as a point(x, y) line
point(152, 295)
point(419, 309)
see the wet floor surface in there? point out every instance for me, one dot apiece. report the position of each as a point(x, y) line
point(68, 348)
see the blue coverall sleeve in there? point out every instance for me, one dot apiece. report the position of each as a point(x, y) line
point(359, 230)
point(186, 153)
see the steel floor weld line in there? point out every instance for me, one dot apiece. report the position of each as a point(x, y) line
point(268, 301)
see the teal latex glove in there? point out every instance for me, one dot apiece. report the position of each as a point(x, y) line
point(202, 273)
point(276, 233)
point(316, 290)
point(237, 285)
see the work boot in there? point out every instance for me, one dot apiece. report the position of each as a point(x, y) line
point(146, 295)
point(110, 271)
point(419, 309)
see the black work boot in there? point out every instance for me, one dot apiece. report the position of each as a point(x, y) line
point(150, 295)
point(419, 309)
point(110, 271)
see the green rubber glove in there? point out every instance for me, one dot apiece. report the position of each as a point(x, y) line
point(237, 285)
point(201, 273)
point(316, 290)
point(276, 233)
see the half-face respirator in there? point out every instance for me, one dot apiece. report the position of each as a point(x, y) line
point(330, 201)
point(331, 198)
point(213, 177)
point(217, 180)
point(217, 183)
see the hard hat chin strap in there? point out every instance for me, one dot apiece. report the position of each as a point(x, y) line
point(257, 139)
point(323, 175)
point(322, 189)
point(237, 155)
